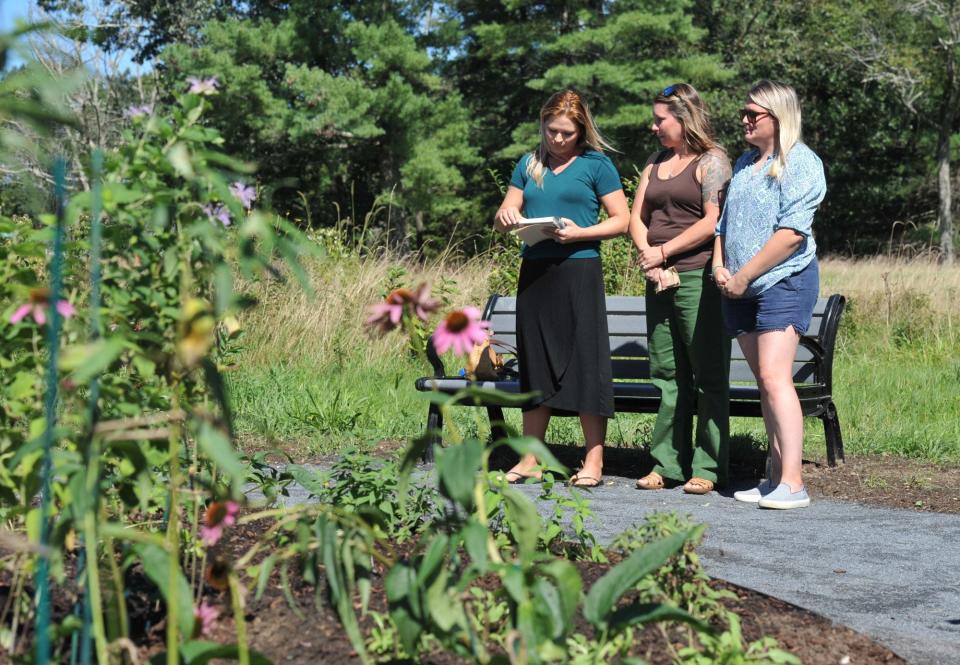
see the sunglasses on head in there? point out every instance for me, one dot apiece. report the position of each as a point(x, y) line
point(752, 116)
point(670, 89)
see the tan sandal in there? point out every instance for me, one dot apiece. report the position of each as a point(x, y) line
point(651, 481)
point(698, 486)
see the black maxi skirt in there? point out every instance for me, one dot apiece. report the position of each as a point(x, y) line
point(562, 341)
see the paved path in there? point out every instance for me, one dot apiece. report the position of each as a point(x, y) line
point(891, 574)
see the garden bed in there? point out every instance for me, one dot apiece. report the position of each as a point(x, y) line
point(276, 631)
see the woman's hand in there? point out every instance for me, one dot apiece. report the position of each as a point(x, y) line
point(736, 286)
point(721, 276)
point(651, 257)
point(507, 218)
point(652, 275)
point(569, 233)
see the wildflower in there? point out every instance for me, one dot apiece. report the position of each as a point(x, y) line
point(386, 316)
point(197, 327)
point(461, 330)
point(138, 111)
point(218, 573)
point(245, 193)
point(218, 213)
point(39, 301)
point(219, 514)
point(204, 616)
point(203, 86)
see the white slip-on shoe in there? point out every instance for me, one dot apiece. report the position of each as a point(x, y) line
point(754, 494)
point(783, 499)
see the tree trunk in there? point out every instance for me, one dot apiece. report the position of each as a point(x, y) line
point(948, 114)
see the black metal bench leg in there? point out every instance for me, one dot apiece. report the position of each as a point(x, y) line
point(831, 429)
point(497, 429)
point(434, 430)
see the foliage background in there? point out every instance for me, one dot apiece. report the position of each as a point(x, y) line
point(396, 120)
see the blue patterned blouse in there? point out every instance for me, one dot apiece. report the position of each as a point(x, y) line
point(758, 205)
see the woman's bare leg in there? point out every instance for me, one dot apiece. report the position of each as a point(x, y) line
point(594, 434)
point(781, 406)
point(748, 343)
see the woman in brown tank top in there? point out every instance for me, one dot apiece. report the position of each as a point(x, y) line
point(672, 225)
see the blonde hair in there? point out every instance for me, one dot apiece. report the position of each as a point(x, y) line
point(781, 101)
point(685, 104)
point(568, 103)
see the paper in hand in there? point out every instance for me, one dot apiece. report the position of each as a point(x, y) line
point(537, 229)
point(669, 279)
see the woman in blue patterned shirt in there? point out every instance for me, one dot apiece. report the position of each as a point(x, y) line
point(765, 264)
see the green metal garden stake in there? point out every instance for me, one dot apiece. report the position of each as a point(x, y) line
point(42, 631)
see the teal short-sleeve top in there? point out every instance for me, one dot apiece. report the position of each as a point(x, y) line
point(573, 193)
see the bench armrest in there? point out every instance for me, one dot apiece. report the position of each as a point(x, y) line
point(814, 347)
point(434, 358)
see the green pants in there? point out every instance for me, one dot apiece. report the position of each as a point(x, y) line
point(690, 364)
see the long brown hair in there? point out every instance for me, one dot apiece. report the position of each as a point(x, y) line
point(568, 103)
point(685, 104)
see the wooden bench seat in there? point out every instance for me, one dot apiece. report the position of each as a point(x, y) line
point(632, 390)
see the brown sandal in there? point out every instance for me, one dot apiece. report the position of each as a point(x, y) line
point(651, 481)
point(698, 486)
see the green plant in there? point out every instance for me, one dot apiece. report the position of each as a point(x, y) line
point(726, 648)
point(572, 505)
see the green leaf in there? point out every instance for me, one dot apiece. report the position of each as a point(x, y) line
point(88, 360)
point(475, 537)
point(433, 559)
point(605, 592)
point(179, 158)
point(643, 613)
point(524, 522)
point(201, 652)
point(215, 444)
point(459, 469)
point(311, 480)
point(156, 564)
point(569, 585)
point(23, 385)
point(404, 607)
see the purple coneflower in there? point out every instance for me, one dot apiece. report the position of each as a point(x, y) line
point(245, 193)
point(385, 316)
point(204, 616)
point(220, 514)
point(39, 302)
point(203, 86)
point(460, 330)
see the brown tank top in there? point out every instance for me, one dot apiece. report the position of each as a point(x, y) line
point(676, 204)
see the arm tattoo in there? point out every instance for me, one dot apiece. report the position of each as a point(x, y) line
point(716, 176)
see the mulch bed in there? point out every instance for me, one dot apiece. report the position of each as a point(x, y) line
point(276, 631)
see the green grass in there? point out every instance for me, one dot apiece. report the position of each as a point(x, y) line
point(896, 377)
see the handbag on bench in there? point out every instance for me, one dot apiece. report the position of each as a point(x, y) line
point(485, 364)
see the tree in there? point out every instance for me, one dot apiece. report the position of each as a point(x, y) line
point(340, 105)
point(913, 47)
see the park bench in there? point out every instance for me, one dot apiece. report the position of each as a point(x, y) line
point(632, 390)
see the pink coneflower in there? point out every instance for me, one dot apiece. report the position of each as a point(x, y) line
point(39, 302)
point(200, 86)
point(386, 316)
point(461, 330)
point(204, 617)
point(219, 514)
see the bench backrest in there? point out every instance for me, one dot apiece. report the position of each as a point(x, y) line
point(627, 325)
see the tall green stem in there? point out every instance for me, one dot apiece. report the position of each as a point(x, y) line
point(173, 534)
point(243, 650)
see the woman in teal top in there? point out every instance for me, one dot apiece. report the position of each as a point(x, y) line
point(562, 339)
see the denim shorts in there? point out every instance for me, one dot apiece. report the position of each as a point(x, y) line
point(789, 302)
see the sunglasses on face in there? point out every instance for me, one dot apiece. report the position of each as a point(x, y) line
point(752, 116)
